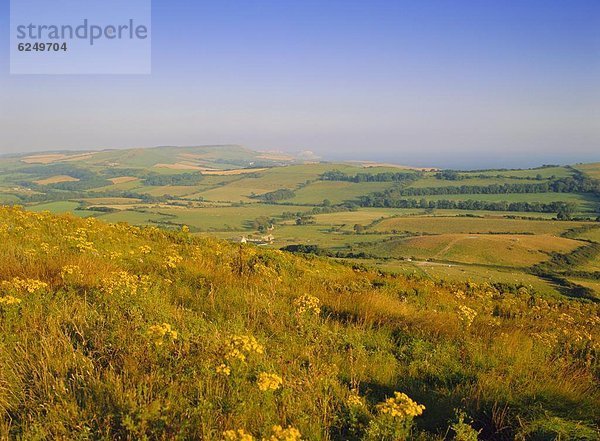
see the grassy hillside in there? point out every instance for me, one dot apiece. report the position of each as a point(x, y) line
point(110, 331)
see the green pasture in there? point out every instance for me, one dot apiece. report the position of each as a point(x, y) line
point(444, 225)
point(462, 272)
point(337, 192)
point(497, 250)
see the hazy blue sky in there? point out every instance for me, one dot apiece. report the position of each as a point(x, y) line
point(447, 83)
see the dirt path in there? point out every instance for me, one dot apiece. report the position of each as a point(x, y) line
point(447, 247)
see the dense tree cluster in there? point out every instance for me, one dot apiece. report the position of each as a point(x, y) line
point(336, 175)
point(457, 175)
point(87, 179)
point(277, 195)
point(183, 179)
point(539, 207)
point(576, 184)
point(262, 223)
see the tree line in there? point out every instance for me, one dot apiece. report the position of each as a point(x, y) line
point(576, 184)
point(274, 196)
point(566, 208)
point(337, 175)
point(182, 179)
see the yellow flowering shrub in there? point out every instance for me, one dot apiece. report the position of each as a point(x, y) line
point(81, 242)
point(267, 381)
point(394, 419)
point(288, 434)
point(466, 315)
point(240, 347)
point(308, 304)
point(114, 255)
point(122, 282)
point(223, 369)
point(159, 334)
point(354, 399)
point(17, 284)
point(400, 406)
point(172, 260)
point(237, 435)
point(71, 274)
point(9, 300)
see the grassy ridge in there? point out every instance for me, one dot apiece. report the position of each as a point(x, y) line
point(116, 332)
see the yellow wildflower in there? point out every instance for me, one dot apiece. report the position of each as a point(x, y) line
point(24, 285)
point(9, 300)
point(237, 435)
point(307, 303)
point(268, 381)
point(354, 399)
point(71, 274)
point(466, 315)
point(145, 249)
point(223, 369)
point(161, 333)
point(241, 346)
point(173, 260)
point(122, 282)
point(288, 434)
point(400, 406)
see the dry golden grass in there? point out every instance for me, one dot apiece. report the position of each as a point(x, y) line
point(183, 166)
point(43, 159)
point(56, 180)
point(238, 171)
point(369, 164)
point(276, 156)
point(123, 179)
point(55, 157)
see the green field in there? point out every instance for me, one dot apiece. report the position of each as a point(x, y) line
point(336, 192)
point(495, 249)
point(586, 203)
point(458, 272)
point(134, 217)
point(7, 198)
point(364, 216)
point(443, 225)
point(323, 213)
point(432, 182)
point(203, 219)
point(593, 235)
point(56, 207)
point(544, 172)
